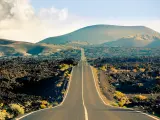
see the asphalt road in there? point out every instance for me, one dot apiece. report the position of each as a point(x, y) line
point(83, 102)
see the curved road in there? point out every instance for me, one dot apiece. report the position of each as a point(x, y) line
point(83, 102)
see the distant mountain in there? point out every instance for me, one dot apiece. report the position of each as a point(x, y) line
point(135, 41)
point(99, 34)
point(16, 48)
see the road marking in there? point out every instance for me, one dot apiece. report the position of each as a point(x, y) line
point(68, 87)
point(155, 118)
point(85, 109)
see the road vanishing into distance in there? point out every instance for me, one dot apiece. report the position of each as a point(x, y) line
point(82, 102)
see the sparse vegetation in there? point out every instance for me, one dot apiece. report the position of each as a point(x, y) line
point(119, 95)
point(44, 77)
point(121, 98)
point(2, 115)
point(140, 97)
point(129, 77)
point(43, 106)
point(17, 109)
point(64, 67)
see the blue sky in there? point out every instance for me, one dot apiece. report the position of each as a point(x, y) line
point(104, 9)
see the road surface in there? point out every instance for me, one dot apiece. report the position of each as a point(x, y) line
point(83, 102)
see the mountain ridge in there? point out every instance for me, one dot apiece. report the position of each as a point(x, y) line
point(98, 34)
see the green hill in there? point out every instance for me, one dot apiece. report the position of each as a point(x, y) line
point(99, 34)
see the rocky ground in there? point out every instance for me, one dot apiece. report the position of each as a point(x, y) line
point(28, 84)
point(130, 83)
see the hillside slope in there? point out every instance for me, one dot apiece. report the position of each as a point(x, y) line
point(16, 48)
point(99, 34)
point(135, 41)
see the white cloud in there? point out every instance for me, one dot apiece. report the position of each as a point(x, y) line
point(18, 21)
point(53, 14)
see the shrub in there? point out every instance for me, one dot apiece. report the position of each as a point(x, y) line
point(141, 69)
point(63, 91)
point(121, 103)
point(59, 84)
point(5, 115)
point(140, 97)
point(66, 73)
point(1, 105)
point(140, 84)
point(103, 68)
point(118, 95)
point(114, 70)
point(18, 109)
point(64, 67)
point(2, 115)
point(44, 102)
point(134, 70)
point(43, 106)
point(28, 103)
point(122, 98)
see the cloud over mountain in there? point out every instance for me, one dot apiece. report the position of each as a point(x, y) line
point(19, 21)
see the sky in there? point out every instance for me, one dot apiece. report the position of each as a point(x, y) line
point(34, 20)
point(131, 9)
